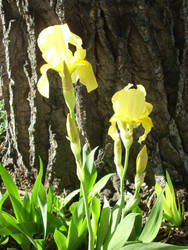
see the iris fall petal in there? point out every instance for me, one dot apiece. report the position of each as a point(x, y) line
point(43, 84)
point(147, 125)
point(86, 75)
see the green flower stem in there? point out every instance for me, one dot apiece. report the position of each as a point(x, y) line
point(122, 188)
point(133, 203)
point(70, 101)
point(72, 115)
point(91, 239)
point(68, 91)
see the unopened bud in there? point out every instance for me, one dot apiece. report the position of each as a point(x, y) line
point(117, 157)
point(113, 132)
point(141, 160)
point(73, 136)
point(139, 180)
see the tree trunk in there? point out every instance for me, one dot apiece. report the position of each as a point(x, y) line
point(142, 42)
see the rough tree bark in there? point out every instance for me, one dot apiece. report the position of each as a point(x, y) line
point(141, 41)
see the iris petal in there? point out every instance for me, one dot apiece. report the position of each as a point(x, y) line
point(54, 51)
point(71, 37)
point(129, 85)
point(113, 132)
point(43, 84)
point(86, 75)
point(134, 103)
point(54, 43)
point(141, 88)
point(79, 54)
point(148, 107)
point(129, 104)
point(147, 125)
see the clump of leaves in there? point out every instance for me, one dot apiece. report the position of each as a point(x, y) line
point(173, 211)
point(42, 220)
point(34, 219)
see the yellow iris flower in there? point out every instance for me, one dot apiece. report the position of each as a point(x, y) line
point(131, 108)
point(54, 44)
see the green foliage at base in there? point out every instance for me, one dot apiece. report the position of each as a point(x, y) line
point(44, 221)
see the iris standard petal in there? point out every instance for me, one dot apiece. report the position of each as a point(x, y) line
point(86, 75)
point(135, 100)
point(43, 84)
point(71, 37)
point(79, 54)
point(78, 57)
point(141, 88)
point(120, 104)
point(147, 125)
point(129, 104)
point(52, 43)
point(129, 85)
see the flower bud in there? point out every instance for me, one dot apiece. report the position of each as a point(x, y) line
point(117, 157)
point(113, 132)
point(73, 136)
point(139, 180)
point(141, 160)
